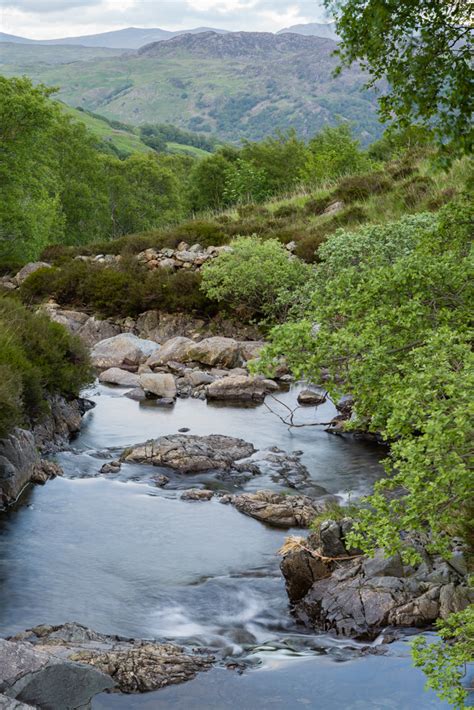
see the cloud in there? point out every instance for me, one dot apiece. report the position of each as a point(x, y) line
point(49, 6)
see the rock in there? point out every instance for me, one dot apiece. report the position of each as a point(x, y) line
point(159, 384)
point(29, 269)
point(197, 494)
point(198, 378)
point(334, 208)
point(359, 596)
point(190, 454)
point(40, 678)
point(45, 470)
point(116, 376)
point(64, 420)
point(94, 330)
point(111, 467)
point(310, 398)
point(250, 349)
point(175, 350)
point(18, 458)
point(282, 467)
point(278, 509)
point(10, 704)
point(215, 352)
point(137, 394)
point(161, 481)
point(132, 666)
point(123, 349)
point(239, 388)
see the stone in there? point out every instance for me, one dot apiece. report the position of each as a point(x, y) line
point(123, 349)
point(239, 388)
point(44, 470)
point(198, 494)
point(116, 376)
point(175, 350)
point(137, 394)
point(189, 453)
point(277, 509)
point(129, 665)
point(198, 378)
point(111, 467)
point(311, 398)
point(334, 208)
point(29, 269)
point(215, 352)
point(251, 349)
point(161, 481)
point(159, 384)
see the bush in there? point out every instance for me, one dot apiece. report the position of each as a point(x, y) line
point(307, 247)
point(360, 187)
point(415, 190)
point(37, 357)
point(257, 279)
point(317, 205)
point(290, 210)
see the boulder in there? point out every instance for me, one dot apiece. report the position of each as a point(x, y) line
point(137, 394)
point(240, 388)
point(158, 384)
point(215, 352)
point(123, 349)
point(196, 378)
point(334, 208)
point(29, 269)
point(197, 494)
point(189, 453)
point(250, 349)
point(175, 350)
point(130, 665)
point(38, 677)
point(311, 398)
point(116, 376)
point(278, 509)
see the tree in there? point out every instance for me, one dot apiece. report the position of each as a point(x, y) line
point(423, 48)
point(332, 153)
point(280, 159)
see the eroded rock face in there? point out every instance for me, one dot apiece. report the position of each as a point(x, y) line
point(190, 454)
point(41, 679)
point(130, 665)
point(240, 388)
point(334, 589)
point(277, 509)
point(124, 349)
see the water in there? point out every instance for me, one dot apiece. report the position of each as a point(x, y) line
point(122, 556)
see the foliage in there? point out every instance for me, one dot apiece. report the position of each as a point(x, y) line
point(392, 304)
point(256, 278)
point(445, 661)
point(332, 153)
point(244, 182)
point(279, 159)
point(37, 357)
point(423, 48)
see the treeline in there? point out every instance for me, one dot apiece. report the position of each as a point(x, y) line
point(158, 135)
point(58, 184)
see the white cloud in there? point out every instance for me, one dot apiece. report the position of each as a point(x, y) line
point(47, 19)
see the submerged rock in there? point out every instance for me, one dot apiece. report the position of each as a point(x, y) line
point(197, 494)
point(278, 509)
point(333, 588)
point(311, 398)
point(130, 665)
point(189, 453)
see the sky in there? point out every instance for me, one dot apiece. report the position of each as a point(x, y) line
point(50, 19)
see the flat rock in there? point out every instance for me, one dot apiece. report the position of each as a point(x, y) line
point(123, 349)
point(278, 509)
point(240, 388)
point(116, 376)
point(159, 384)
point(189, 453)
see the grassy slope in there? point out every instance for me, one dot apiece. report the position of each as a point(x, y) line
point(233, 97)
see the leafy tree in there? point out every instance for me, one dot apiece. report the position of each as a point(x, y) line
point(245, 183)
point(332, 153)
point(208, 180)
point(280, 158)
point(257, 278)
point(423, 48)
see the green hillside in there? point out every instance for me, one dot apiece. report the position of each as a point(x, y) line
point(238, 85)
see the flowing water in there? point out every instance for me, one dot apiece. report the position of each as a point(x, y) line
point(122, 556)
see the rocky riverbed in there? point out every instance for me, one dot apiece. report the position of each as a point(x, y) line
point(165, 527)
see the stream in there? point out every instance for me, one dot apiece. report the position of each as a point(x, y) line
point(122, 556)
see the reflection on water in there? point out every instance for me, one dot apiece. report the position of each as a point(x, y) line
point(128, 558)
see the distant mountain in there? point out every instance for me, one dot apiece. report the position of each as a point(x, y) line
point(129, 38)
point(234, 85)
point(314, 29)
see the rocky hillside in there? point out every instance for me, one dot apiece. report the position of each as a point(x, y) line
point(237, 85)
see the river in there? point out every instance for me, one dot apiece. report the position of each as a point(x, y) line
point(122, 556)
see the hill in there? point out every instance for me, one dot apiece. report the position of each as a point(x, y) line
point(236, 85)
point(316, 29)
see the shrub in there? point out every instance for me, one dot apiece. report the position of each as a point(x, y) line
point(317, 205)
point(360, 187)
point(37, 357)
point(290, 210)
point(307, 247)
point(415, 190)
point(257, 279)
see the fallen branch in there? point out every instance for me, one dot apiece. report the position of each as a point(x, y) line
point(294, 543)
point(289, 421)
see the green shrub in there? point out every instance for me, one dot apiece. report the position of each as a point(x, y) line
point(37, 357)
point(415, 190)
point(290, 210)
point(257, 279)
point(307, 247)
point(360, 187)
point(317, 205)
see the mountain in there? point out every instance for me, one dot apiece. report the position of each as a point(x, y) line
point(235, 85)
point(313, 29)
point(128, 38)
